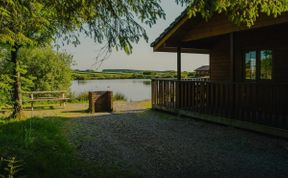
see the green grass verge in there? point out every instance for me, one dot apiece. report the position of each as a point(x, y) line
point(40, 146)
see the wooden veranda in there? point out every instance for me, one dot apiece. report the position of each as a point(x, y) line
point(258, 103)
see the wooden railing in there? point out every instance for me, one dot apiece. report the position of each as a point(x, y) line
point(263, 103)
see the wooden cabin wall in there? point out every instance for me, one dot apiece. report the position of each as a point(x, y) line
point(275, 38)
point(220, 60)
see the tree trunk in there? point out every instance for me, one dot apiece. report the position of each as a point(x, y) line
point(17, 93)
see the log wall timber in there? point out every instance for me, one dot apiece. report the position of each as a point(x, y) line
point(220, 59)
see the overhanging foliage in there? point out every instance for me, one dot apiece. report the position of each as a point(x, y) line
point(240, 12)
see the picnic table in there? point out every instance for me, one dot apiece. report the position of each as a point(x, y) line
point(42, 96)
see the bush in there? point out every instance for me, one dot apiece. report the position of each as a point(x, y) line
point(50, 69)
point(119, 97)
point(82, 97)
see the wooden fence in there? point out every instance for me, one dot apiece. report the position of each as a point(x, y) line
point(263, 103)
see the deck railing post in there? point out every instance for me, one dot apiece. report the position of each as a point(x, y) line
point(177, 99)
point(152, 92)
point(178, 82)
point(232, 59)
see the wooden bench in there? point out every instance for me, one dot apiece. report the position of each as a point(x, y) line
point(38, 96)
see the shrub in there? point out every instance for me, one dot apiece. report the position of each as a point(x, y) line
point(50, 69)
point(83, 96)
point(119, 97)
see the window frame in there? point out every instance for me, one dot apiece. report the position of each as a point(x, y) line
point(258, 64)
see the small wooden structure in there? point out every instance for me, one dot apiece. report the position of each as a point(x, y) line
point(203, 71)
point(100, 101)
point(248, 70)
point(42, 96)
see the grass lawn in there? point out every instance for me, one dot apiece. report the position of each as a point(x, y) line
point(40, 147)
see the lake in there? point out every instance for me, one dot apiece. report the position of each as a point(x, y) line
point(133, 89)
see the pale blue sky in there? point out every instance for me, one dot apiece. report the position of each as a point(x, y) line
point(143, 56)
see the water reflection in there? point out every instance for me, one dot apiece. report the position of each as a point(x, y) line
point(133, 89)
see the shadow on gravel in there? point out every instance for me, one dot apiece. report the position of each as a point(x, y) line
point(147, 143)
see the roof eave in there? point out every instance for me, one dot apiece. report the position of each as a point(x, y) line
point(169, 31)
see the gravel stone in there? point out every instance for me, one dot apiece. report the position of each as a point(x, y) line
point(155, 144)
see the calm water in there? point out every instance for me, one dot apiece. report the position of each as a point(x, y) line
point(133, 89)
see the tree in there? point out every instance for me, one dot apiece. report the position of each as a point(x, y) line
point(240, 12)
point(49, 70)
point(37, 23)
point(5, 79)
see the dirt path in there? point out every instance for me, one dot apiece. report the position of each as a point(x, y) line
point(153, 144)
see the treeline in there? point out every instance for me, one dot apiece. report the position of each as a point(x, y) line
point(127, 74)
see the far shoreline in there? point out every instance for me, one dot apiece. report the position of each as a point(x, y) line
point(113, 79)
point(127, 74)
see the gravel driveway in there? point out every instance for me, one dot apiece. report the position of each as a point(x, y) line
point(154, 144)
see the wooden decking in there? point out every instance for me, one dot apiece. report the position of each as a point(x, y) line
point(261, 103)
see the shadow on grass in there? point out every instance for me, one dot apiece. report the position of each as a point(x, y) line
point(44, 107)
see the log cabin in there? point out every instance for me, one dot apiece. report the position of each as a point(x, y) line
point(248, 84)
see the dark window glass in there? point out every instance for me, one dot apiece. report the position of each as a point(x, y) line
point(266, 64)
point(250, 65)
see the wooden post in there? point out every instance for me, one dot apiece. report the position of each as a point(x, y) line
point(178, 89)
point(63, 97)
point(232, 70)
point(178, 63)
point(232, 57)
point(32, 97)
point(91, 102)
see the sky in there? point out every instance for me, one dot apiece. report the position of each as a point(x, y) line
point(143, 57)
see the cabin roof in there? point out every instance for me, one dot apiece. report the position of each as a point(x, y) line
point(169, 28)
point(202, 68)
point(195, 35)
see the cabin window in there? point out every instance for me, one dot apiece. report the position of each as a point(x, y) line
point(258, 65)
point(266, 64)
point(250, 65)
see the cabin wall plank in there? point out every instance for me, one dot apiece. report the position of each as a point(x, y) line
point(220, 60)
